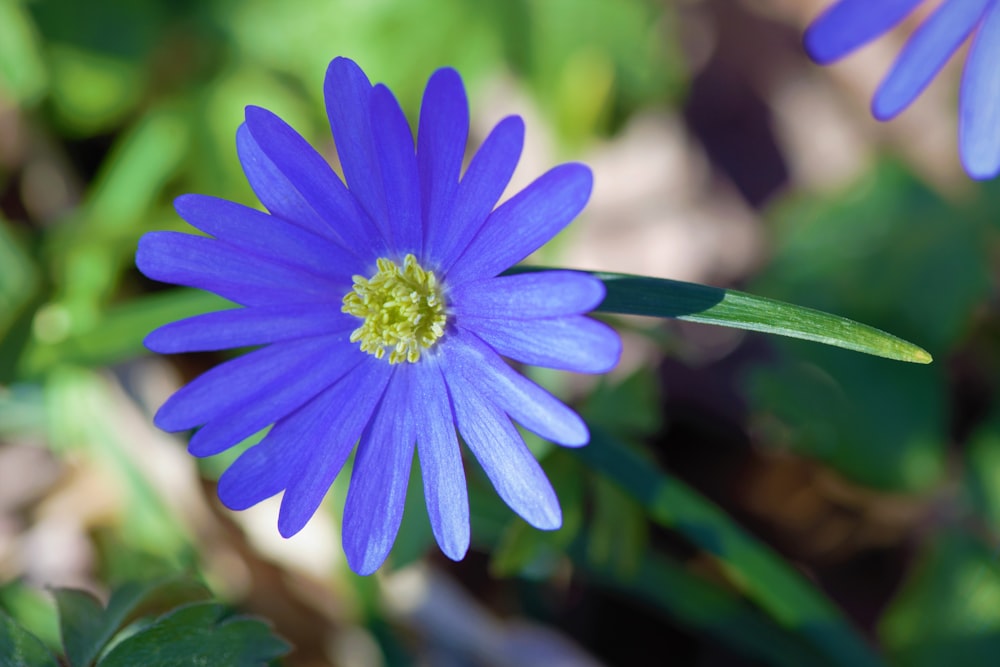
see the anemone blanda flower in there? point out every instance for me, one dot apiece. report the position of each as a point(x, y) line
point(849, 24)
point(382, 316)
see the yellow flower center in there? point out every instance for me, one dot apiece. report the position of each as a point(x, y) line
point(402, 309)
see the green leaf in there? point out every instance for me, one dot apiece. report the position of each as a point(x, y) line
point(878, 423)
point(762, 575)
point(82, 625)
point(87, 627)
point(700, 604)
point(118, 334)
point(20, 648)
point(948, 611)
point(659, 297)
point(200, 633)
point(22, 69)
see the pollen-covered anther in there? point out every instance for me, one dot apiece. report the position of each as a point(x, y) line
point(402, 309)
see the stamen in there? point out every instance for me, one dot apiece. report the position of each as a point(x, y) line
point(402, 309)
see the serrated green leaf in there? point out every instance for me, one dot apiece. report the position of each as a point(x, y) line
point(767, 580)
point(81, 623)
point(87, 627)
point(20, 648)
point(200, 633)
point(659, 297)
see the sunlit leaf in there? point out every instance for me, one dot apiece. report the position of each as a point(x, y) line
point(18, 647)
point(201, 633)
point(659, 297)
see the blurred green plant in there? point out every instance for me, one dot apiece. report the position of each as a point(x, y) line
point(163, 623)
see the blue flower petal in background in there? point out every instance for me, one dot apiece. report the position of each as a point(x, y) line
point(382, 316)
point(849, 24)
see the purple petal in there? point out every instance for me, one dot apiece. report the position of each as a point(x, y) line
point(979, 102)
point(198, 261)
point(573, 343)
point(274, 190)
point(267, 236)
point(485, 180)
point(527, 403)
point(229, 386)
point(849, 24)
point(398, 171)
point(267, 468)
point(441, 139)
point(267, 405)
point(440, 462)
point(528, 295)
point(377, 494)
point(925, 54)
point(348, 104)
point(346, 410)
point(524, 223)
point(243, 327)
point(315, 180)
point(498, 447)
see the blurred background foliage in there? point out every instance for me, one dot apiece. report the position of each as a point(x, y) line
point(745, 500)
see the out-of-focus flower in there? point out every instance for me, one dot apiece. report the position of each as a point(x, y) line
point(849, 24)
point(382, 316)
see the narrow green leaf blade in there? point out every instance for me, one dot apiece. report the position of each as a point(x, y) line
point(771, 583)
point(707, 607)
point(659, 297)
point(20, 647)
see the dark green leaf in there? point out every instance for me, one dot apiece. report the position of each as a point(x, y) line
point(659, 297)
point(20, 648)
point(201, 633)
point(696, 602)
point(87, 627)
point(767, 580)
point(948, 611)
point(81, 621)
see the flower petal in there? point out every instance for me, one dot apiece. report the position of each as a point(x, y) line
point(441, 139)
point(524, 223)
point(574, 343)
point(979, 102)
point(241, 327)
point(528, 295)
point(498, 447)
point(315, 181)
point(398, 171)
point(484, 181)
point(198, 261)
point(377, 495)
point(273, 190)
point(527, 403)
point(849, 24)
point(267, 236)
point(347, 409)
point(440, 461)
point(348, 104)
point(268, 404)
point(267, 468)
point(229, 385)
point(925, 54)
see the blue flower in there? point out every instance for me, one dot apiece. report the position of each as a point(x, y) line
point(849, 24)
point(381, 315)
